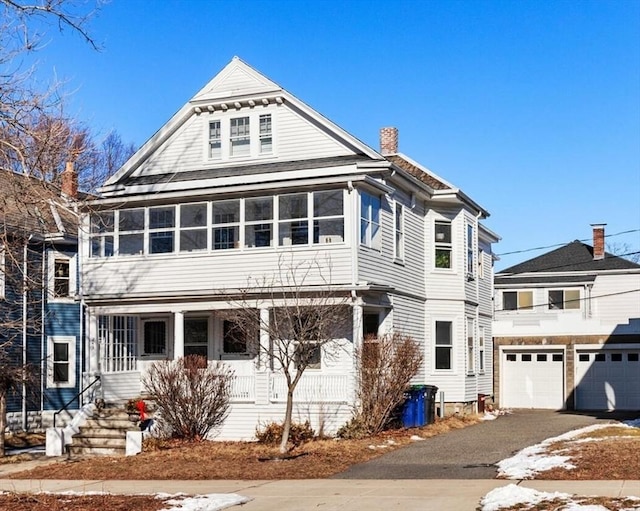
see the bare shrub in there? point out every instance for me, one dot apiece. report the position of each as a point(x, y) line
point(192, 398)
point(386, 366)
point(271, 433)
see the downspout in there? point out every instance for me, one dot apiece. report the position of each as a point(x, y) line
point(25, 252)
point(43, 374)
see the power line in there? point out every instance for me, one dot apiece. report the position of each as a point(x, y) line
point(565, 265)
point(562, 244)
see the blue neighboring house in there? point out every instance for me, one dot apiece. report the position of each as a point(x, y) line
point(40, 314)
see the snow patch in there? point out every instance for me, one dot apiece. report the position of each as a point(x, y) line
point(209, 502)
point(512, 495)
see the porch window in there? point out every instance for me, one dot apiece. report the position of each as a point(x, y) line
point(443, 244)
point(234, 338)
point(161, 229)
point(155, 337)
point(444, 345)
point(102, 234)
point(328, 217)
point(118, 338)
point(131, 231)
point(193, 227)
point(258, 216)
point(196, 337)
point(564, 299)
point(293, 219)
point(225, 216)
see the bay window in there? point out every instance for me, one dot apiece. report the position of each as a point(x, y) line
point(443, 245)
point(370, 235)
point(328, 217)
point(443, 345)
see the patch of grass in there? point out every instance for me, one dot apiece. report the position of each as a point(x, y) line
point(609, 503)
point(172, 459)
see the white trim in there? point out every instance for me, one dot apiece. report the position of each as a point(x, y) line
point(52, 257)
point(71, 343)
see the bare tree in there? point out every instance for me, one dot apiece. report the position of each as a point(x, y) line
point(624, 250)
point(29, 142)
point(302, 326)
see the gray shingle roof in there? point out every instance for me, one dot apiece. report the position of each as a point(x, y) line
point(236, 170)
point(573, 257)
point(417, 172)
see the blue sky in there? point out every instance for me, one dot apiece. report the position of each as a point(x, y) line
point(532, 108)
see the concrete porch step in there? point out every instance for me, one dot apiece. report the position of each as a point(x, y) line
point(99, 441)
point(75, 450)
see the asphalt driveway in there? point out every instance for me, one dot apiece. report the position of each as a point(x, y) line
point(469, 453)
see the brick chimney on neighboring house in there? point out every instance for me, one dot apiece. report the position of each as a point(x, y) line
point(70, 181)
point(388, 141)
point(598, 241)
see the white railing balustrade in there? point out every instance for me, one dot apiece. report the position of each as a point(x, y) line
point(243, 388)
point(312, 388)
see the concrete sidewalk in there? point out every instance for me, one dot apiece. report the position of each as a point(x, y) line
point(334, 495)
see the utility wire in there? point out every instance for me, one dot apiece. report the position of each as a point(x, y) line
point(562, 244)
point(560, 266)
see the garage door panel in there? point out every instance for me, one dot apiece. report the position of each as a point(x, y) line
point(608, 380)
point(532, 379)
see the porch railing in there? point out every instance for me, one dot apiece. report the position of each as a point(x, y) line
point(312, 388)
point(243, 388)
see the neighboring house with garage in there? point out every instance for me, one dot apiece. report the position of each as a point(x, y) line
point(567, 330)
point(40, 316)
point(246, 178)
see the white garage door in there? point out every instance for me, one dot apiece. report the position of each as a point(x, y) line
point(532, 379)
point(608, 380)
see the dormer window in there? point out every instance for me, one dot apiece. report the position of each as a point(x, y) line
point(240, 137)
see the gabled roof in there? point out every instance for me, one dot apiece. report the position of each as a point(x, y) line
point(29, 205)
point(419, 172)
point(237, 82)
point(571, 258)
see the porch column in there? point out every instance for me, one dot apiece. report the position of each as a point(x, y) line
point(263, 382)
point(357, 346)
point(178, 334)
point(357, 325)
point(93, 344)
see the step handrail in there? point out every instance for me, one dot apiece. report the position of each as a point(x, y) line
point(74, 398)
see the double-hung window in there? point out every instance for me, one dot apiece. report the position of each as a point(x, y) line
point(443, 245)
point(61, 361)
point(481, 349)
point(193, 227)
point(328, 217)
point(443, 345)
point(215, 140)
point(399, 232)
point(258, 216)
point(293, 218)
point(161, 229)
point(61, 278)
point(470, 252)
point(131, 231)
point(564, 299)
point(225, 216)
point(266, 136)
point(517, 300)
point(102, 234)
point(240, 136)
point(370, 234)
point(471, 352)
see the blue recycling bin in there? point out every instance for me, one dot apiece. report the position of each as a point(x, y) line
point(413, 412)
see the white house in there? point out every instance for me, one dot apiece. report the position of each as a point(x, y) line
point(245, 177)
point(567, 330)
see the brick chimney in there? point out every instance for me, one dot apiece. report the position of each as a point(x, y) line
point(598, 241)
point(388, 141)
point(70, 181)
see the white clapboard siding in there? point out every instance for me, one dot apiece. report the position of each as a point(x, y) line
point(485, 378)
point(380, 267)
point(617, 299)
point(212, 272)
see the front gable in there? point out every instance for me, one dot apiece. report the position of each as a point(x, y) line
point(240, 119)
